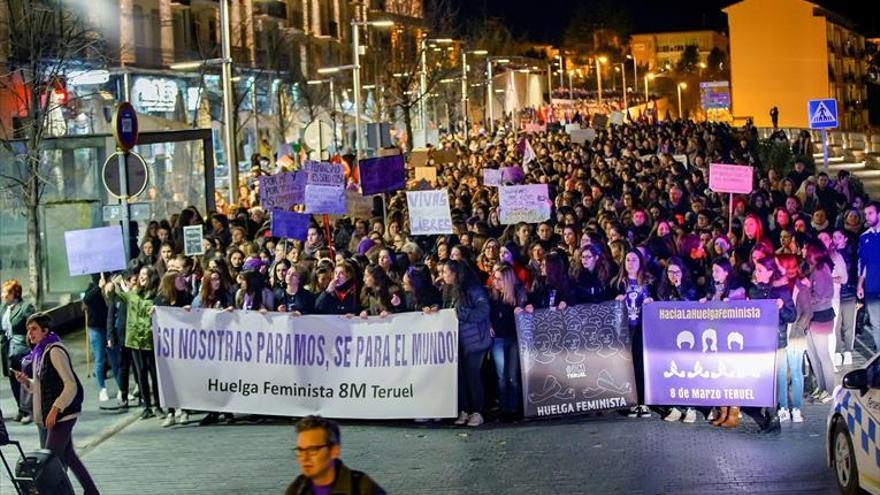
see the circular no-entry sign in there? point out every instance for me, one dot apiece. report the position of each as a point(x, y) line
point(136, 173)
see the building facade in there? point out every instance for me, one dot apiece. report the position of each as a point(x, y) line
point(815, 53)
point(657, 50)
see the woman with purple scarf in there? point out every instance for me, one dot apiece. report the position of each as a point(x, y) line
point(57, 394)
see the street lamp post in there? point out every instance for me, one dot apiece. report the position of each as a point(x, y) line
point(317, 82)
point(550, 83)
point(680, 86)
point(570, 86)
point(228, 115)
point(489, 62)
point(464, 89)
point(599, 60)
point(623, 76)
point(648, 77)
point(356, 76)
point(635, 73)
point(561, 70)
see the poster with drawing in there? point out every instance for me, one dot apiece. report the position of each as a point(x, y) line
point(576, 360)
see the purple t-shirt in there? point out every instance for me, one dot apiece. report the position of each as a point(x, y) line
point(322, 489)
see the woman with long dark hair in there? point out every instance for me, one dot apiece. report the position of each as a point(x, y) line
point(634, 286)
point(173, 292)
point(553, 288)
point(462, 292)
point(592, 276)
point(341, 295)
point(420, 293)
point(252, 294)
point(381, 296)
point(214, 292)
point(506, 298)
point(295, 298)
point(278, 277)
point(821, 286)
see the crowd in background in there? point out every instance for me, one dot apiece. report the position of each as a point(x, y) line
point(628, 223)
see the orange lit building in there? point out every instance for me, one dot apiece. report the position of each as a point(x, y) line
point(785, 52)
point(657, 50)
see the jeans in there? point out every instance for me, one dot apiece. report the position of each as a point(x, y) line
point(845, 326)
point(506, 356)
point(820, 358)
point(98, 343)
point(145, 363)
point(872, 307)
point(59, 440)
point(790, 361)
point(470, 382)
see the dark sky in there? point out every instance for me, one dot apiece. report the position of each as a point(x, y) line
point(545, 20)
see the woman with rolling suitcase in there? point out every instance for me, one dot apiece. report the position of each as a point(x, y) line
point(57, 396)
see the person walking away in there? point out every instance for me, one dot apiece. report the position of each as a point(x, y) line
point(821, 287)
point(318, 447)
point(58, 396)
point(13, 315)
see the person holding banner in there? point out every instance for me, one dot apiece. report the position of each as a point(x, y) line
point(214, 292)
point(341, 296)
point(634, 287)
point(553, 289)
point(507, 297)
point(296, 299)
point(462, 292)
point(252, 294)
point(381, 296)
point(173, 292)
point(592, 275)
point(420, 293)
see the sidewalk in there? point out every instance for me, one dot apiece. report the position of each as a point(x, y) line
point(93, 425)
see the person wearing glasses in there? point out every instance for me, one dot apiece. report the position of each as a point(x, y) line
point(318, 446)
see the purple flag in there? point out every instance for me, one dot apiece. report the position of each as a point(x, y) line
point(290, 224)
point(710, 354)
point(382, 174)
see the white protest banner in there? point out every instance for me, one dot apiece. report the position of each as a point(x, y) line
point(192, 240)
point(736, 179)
point(324, 174)
point(402, 366)
point(429, 212)
point(325, 199)
point(581, 136)
point(278, 191)
point(529, 204)
point(617, 118)
point(94, 250)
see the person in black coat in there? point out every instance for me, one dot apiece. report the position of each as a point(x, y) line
point(95, 309)
point(592, 276)
point(341, 296)
point(295, 298)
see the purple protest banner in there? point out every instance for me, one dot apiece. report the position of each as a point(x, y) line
point(710, 354)
point(290, 224)
point(277, 191)
point(383, 174)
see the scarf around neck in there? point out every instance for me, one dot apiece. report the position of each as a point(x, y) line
point(36, 354)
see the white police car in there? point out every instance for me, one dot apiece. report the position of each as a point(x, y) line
point(853, 434)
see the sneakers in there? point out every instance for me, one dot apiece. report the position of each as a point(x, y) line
point(673, 416)
point(182, 417)
point(169, 420)
point(147, 414)
point(27, 419)
point(633, 412)
point(847, 358)
point(690, 415)
point(102, 395)
point(462, 419)
point(796, 416)
point(711, 416)
point(474, 420)
point(824, 397)
point(784, 415)
point(837, 359)
point(644, 412)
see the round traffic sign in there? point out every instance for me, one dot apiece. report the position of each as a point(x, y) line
point(136, 171)
point(125, 126)
point(318, 135)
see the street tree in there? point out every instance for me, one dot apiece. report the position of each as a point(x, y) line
point(45, 39)
point(689, 59)
point(716, 62)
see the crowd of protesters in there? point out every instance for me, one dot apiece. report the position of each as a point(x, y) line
point(628, 223)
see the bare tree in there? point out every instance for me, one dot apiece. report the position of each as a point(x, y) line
point(44, 39)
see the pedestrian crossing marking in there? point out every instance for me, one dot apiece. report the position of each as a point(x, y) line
point(822, 115)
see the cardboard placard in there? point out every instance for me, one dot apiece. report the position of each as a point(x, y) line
point(429, 212)
point(192, 240)
point(95, 250)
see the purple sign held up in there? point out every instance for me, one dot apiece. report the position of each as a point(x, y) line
point(710, 354)
point(512, 175)
point(382, 174)
point(290, 224)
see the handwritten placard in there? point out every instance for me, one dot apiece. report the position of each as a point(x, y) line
point(529, 203)
point(383, 174)
point(95, 250)
point(426, 173)
point(192, 240)
point(290, 224)
point(325, 199)
point(735, 179)
point(324, 174)
point(492, 177)
point(277, 191)
point(581, 136)
point(429, 212)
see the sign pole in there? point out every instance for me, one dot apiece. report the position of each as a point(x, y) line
point(730, 215)
point(121, 160)
point(825, 149)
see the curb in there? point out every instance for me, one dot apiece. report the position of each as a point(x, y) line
point(105, 434)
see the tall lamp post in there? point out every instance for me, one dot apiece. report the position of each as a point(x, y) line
point(680, 86)
point(464, 88)
point(561, 70)
point(600, 60)
point(623, 76)
point(648, 77)
point(356, 70)
point(635, 75)
point(423, 79)
point(489, 62)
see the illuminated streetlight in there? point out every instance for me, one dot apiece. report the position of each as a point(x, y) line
point(600, 60)
point(679, 87)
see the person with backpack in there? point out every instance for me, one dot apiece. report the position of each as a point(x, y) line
point(57, 395)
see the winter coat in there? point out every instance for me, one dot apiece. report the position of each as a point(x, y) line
point(343, 484)
point(342, 301)
point(787, 313)
point(473, 310)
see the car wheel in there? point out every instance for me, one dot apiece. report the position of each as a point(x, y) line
point(843, 460)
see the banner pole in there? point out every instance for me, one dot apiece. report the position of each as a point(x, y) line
point(730, 215)
point(88, 347)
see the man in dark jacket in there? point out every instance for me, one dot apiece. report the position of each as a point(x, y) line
point(317, 449)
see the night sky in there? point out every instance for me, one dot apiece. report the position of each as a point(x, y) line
point(545, 20)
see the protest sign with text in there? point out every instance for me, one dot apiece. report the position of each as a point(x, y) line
point(492, 177)
point(278, 191)
point(384, 174)
point(429, 212)
point(710, 354)
point(324, 174)
point(529, 204)
point(192, 240)
point(575, 360)
point(94, 250)
point(325, 199)
point(736, 179)
point(402, 366)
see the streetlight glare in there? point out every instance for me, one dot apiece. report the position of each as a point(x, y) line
point(328, 70)
point(480, 52)
point(315, 82)
point(603, 59)
point(682, 85)
point(385, 23)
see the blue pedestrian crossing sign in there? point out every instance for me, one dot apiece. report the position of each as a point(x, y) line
point(822, 113)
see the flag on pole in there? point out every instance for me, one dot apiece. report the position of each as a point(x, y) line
point(528, 154)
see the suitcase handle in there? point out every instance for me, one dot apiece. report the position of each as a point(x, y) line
point(14, 479)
